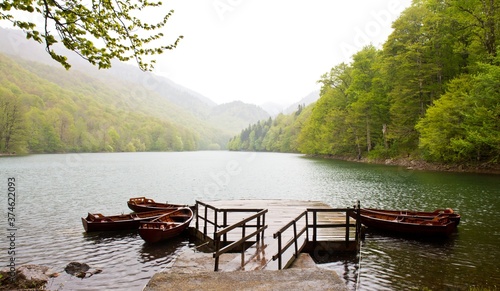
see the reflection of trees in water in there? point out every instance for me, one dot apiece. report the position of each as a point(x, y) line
point(345, 264)
point(165, 251)
point(107, 237)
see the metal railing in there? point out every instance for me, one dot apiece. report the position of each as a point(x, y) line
point(349, 213)
point(293, 240)
point(259, 233)
point(202, 213)
point(220, 230)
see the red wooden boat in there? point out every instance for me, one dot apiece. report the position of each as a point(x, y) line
point(439, 225)
point(141, 204)
point(166, 226)
point(448, 212)
point(99, 222)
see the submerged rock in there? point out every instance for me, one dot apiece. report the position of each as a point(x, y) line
point(80, 270)
point(76, 268)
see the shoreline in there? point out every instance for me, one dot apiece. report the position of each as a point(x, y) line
point(420, 165)
point(408, 163)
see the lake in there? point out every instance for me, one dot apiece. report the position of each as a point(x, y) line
point(53, 192)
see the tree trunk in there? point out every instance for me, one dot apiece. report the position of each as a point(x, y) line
point(384, 134)
point(368, 136)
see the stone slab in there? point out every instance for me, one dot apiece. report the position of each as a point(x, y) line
point(194, 271)
point(286, 280)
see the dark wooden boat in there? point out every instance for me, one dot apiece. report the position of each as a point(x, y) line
point(99, 222)
point(448, 212)
point(166, 226)
point(141, 204)
point(439, 225)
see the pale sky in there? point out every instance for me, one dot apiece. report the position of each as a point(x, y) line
point(261, 51)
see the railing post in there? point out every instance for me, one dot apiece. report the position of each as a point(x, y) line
point(216, 214)
point(197, 215)
point(217, 248)
point(279, 251)
point(307, 225)
point(358, 221)
point(257, 239)
point(347, 227)
point(263, 224)
point(295, 238)
point(315, 214)
point(243, 246)
point(225, 224)
point(206, 222)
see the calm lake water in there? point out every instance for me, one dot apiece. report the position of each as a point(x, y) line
point(54, 191)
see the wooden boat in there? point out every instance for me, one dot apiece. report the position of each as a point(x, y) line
point(448, 212)
point(439, 225)
point(166, 226)
point(141, 204)
point(99, 222)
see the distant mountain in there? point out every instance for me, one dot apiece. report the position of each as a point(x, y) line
point(310, 98)
point(128, 88)
point(234, 115)
point(273, 108)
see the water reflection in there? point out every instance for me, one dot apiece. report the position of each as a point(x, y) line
point(406, 263)
point(62, 192)
point(161, 252)
point(346, 265)
point(105, 237)
point(393, 263)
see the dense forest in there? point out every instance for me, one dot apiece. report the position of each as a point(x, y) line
point(431, 92)
point(46, 109)
point(39, 116)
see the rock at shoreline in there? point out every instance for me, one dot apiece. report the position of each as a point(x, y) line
point(36, 273)
point(27, 277)
point(36, 277)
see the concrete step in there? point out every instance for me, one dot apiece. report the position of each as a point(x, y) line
point(290, 279)
point(259, 256)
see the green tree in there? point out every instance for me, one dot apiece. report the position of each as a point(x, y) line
point(12, 125)
point(98, 31)
point(325, 131)
point(477, 22)
point(443, 122)
point(368, 107)
point(114, 139)
point(464, 125)
point(414, 66)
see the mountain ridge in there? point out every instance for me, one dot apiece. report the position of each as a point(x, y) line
point(161, 97)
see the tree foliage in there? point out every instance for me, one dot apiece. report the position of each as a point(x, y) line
point(272, 135)
point(98, 31)
point(12, 126)
point(75, 113)
point(431, 92)
point(464, 125)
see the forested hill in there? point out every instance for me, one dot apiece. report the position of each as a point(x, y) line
point(45, 109)
point(432, 92)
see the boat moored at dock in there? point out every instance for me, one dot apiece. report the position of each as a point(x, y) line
point(142, 204)
point(410, 223)
point(131, 221)
point(166, 226)
point(448, 212)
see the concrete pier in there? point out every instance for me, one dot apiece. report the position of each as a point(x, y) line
point(253, 266)
point(193, 271)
